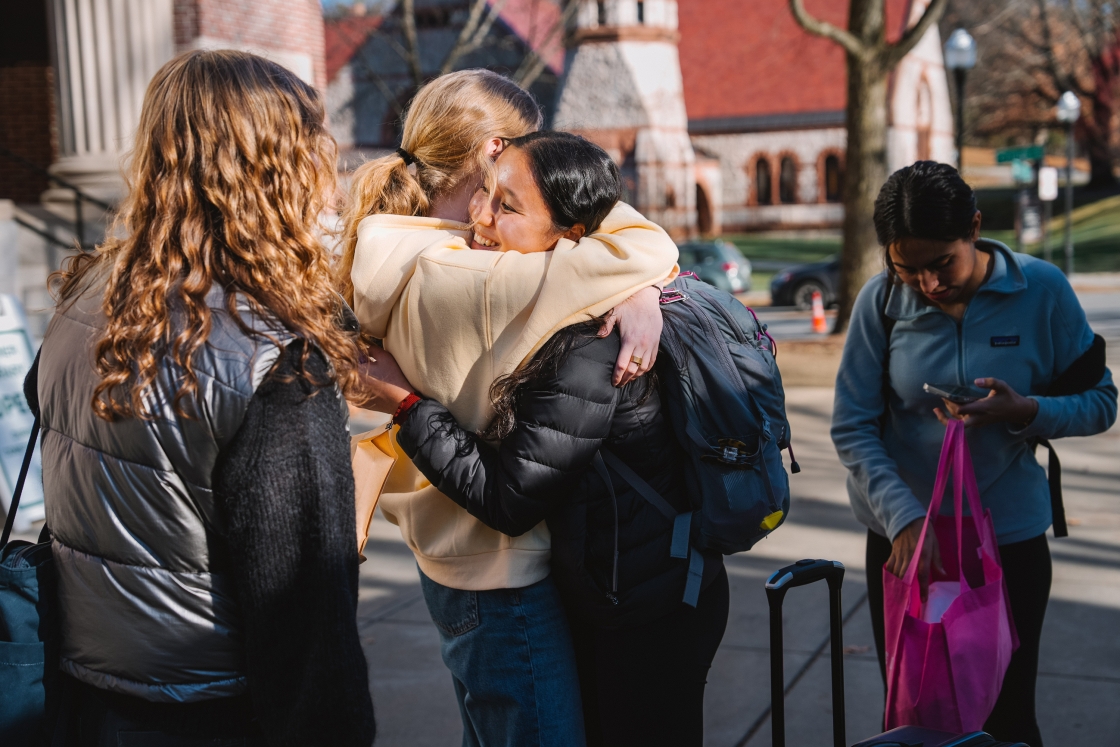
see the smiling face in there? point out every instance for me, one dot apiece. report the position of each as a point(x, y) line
point(945, 273)
point(513, 217)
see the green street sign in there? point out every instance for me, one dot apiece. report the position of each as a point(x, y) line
point(1022, 153)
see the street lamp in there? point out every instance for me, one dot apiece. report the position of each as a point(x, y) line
point(1069, 110)
point(960, 57)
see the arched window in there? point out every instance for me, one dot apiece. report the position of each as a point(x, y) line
point(833, 179)
point(787, 181)
point(601, 7)
point(641, 12)
point(762, 187)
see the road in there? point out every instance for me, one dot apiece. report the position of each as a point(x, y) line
point(1102, 307)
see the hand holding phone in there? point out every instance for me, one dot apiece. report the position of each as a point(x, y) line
point(996, 402)
point(958, 395)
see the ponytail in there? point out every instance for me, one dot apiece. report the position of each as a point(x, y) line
point(446, 129)
point(382, 186)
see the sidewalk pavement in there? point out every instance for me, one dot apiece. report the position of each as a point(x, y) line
point(1079, 681)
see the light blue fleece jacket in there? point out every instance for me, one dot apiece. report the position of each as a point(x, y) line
point(1025, 326)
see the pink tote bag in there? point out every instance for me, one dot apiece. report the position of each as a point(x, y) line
point(946, 659)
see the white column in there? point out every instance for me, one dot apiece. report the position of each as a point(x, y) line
point(104, 53)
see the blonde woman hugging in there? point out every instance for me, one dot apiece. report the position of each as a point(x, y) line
point(458, 311)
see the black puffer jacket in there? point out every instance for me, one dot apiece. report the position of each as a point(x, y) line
point(543, 471)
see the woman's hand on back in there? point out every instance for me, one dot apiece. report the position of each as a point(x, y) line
point(639, 324)
point(1002, 405)
point(384, 381)
point(903, 553)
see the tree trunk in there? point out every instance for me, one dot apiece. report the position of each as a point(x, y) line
point(865, 172)
point(1097, 129)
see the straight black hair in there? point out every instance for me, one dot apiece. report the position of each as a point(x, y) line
point(926, 200)
point(580, 183)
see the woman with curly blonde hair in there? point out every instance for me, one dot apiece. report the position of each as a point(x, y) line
point(195, 448)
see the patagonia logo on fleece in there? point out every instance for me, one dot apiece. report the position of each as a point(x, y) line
point(1010, 341)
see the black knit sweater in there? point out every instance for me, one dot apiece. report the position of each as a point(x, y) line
point(286, 485)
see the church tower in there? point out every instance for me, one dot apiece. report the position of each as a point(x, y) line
point(622, 89)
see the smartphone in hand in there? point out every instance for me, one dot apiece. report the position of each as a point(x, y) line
point(959, 395)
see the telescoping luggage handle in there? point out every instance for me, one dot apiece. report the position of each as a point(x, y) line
point(799, 574)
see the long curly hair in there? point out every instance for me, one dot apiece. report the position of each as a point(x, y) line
point(446, 129)
point(231, 168)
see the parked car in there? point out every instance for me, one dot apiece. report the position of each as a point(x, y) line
point(794, 286)
point(719, 263)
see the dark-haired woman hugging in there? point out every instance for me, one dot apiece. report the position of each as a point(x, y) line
point(641, 653)
point(953, 308)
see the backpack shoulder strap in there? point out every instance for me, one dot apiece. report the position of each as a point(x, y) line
point(682, 521)
point(635, 481)
point(14, 506)
point(1082, 375)
point(888, 327)
point(1057, 503)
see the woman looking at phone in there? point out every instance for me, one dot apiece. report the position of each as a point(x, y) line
point(642, 653)
point(953, 308)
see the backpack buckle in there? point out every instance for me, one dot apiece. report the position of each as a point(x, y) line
point(671, 295)
point(733, 452)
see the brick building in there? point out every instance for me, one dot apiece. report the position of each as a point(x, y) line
point(72, 78)
point(27, 126)
point(369, 80)
point(766, 99)
point(622, 88)
point(73, 75)
point(722, 114)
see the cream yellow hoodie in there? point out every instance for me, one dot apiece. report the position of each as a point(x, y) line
point(456, 319)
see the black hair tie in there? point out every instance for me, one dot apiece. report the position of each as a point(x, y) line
point(407, 157)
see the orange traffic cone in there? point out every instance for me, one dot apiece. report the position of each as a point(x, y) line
point(820, 324)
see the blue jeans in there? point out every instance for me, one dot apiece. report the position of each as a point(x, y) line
point(512, 662)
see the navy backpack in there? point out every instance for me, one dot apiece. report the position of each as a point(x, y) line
point(723, 395)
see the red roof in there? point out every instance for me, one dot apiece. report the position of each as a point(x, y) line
point(536, 22)
point(343, 37)
point(751, 59)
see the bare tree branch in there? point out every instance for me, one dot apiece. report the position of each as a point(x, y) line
point(484, 29)
point(382, 86)
point(845, 39)
point(408, 17)
point(458, 49)
point(534, 63)
point(910, 38)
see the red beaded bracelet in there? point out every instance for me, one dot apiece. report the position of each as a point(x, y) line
point(404, 407)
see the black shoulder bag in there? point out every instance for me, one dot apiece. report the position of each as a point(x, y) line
point(34, 707)
point(1082, 375)
point(28, 627)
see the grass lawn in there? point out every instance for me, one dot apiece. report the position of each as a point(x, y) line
point(1096, 241)
point(768, 254)
point(1096, 237)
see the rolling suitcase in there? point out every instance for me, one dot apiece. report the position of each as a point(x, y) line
point(809, 571)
